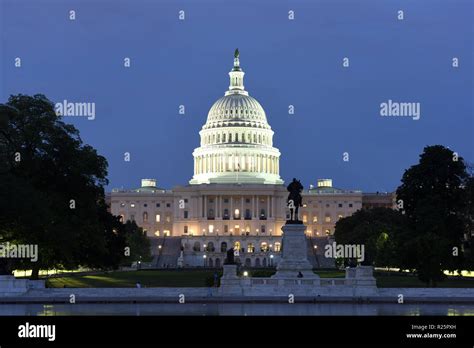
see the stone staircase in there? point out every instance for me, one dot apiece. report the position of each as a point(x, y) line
point(316, 256)
point(167, 256)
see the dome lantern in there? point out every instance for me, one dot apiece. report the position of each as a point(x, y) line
point(236, 76)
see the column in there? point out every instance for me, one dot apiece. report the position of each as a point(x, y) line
point(241, 206)
point(205, 207)
point(231, 206)
point(273, 206)
point(268, 207)
point(253, 207)
point(257, 212)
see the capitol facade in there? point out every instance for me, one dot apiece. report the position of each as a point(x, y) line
point(236, 197)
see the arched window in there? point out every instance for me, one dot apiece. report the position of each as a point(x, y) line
point(264, 263)
point(223, 137)
point(237, 246)
point(218, 263)
point(277, 246)
point(254, 138)
point(211, 264)
point(197, 246)
point(226, 214)
point(257, 262)
point(248, 263)
point(210, 247)
point(263, 214)
point(264, 247)
point(145, 217)
point(223, 247)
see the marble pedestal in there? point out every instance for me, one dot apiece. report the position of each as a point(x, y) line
point(230, 282)
point(294, 254)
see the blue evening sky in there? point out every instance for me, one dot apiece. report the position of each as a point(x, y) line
point(286, 62)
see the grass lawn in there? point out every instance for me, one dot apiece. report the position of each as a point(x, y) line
point(202, 278)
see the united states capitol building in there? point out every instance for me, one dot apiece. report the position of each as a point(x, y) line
point(236, 196)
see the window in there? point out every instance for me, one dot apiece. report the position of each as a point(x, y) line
point(277, 246)
point(122, 204)
point(226, 214)
point(305, 218)
point(145, 205)
point(327, 205)
point(250, 248)
point(210, 214)
point(122, 218)
point(264, 247)
point(236, 214)
point(168, 205)
point(211, 200)
point(350, 205)
point(327, 218)
point(157, 217)
point(185, 200)
point(185, 229)
point(328, 232)
point(315, 218)
point(226, 228)
point(132, 217)
point(145, 217)
point(185, 214)
point(157, 205)
point(210, 247)
point(166, 233)
point(247, 200)
point(168, 218)
point(226, 200)
point(223, 247)
point(132, 205)
point(197, 246)
point(247, 214)
point(263, 228)
point(340, 216)
point(211, 228)
point(263, 215)
point(340, 205)
point(157, 233)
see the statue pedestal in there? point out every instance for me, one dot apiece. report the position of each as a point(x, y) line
point(230, 282)
point(294, 251)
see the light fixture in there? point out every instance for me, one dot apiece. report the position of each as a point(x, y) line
point(246, 274)
point(204, 256)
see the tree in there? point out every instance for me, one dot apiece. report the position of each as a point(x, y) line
point(378, 229)
point(435, 198)
point(137, 241)
point(52, 189)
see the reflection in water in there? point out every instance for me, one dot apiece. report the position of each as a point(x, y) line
point(211, 309)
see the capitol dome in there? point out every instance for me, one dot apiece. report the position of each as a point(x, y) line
point(236, 140)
